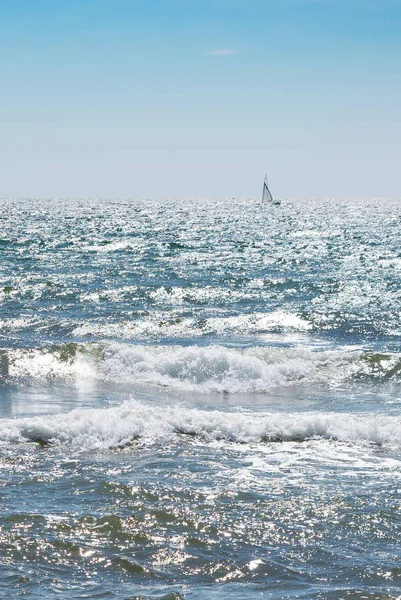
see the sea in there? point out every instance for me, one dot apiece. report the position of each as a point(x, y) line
point(200, 399)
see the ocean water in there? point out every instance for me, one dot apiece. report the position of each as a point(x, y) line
point(200, 399)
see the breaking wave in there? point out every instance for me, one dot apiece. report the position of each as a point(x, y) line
point(198, 369)
point(119, 426)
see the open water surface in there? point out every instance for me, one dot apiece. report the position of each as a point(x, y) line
point(200, 399)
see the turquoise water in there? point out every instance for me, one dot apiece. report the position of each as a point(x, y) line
point(200, 399)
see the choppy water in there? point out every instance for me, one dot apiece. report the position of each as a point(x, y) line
point(200, 399)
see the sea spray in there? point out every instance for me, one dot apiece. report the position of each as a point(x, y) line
point(204, 369)
point(118, 426)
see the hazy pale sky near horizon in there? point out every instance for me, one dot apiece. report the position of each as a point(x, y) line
point(148, 98)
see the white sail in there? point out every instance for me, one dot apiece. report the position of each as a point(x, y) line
point(266, 196)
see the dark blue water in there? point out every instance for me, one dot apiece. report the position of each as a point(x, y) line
point(200, 399)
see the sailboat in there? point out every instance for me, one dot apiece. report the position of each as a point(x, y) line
point(267, 198)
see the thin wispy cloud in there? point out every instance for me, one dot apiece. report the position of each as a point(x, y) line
point(222, 52)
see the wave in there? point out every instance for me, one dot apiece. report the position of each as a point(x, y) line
point(216, 368)
point(121, 425)
point(199, 369)
point(157, 326)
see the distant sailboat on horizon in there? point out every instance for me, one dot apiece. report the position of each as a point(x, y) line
point(267, 198)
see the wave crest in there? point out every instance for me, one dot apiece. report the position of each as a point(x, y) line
point(199, 369)
point(119, 426)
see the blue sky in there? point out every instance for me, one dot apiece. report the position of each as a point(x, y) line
point(200, 97)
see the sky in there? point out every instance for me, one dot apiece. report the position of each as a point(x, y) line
point(200, 98)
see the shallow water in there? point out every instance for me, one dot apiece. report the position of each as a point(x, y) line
point(200, 399)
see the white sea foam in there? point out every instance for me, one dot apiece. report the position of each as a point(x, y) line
point(179, 295)
point(117, 426)
point(20, 323)
point(393, 263)
point(158, 326)
point(112, 295)
point(125, 244)
point(219, 369)
point(196, 369)
point(209, 369)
